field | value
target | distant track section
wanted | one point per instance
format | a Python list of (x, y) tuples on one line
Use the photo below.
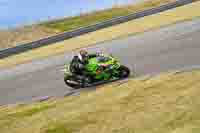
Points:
[(66, 35)]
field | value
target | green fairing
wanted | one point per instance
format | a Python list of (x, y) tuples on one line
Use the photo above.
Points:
[(99, 69), (95, 64)]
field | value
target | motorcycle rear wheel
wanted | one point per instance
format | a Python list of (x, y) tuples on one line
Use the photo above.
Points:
[(71, 82), (77, 82)]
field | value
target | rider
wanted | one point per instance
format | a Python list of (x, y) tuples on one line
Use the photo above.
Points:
[(79, 61)]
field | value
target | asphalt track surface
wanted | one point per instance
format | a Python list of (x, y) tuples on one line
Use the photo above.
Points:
[(168, 48)]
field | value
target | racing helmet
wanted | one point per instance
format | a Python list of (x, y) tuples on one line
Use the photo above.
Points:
[(99, 53), (82, 54)]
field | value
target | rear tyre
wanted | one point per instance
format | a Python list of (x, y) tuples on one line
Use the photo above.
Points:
[(124, 71), (78, 81), (71, 82)]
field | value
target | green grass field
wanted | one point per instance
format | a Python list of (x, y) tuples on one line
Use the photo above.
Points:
[(71, 23), (166, 103)]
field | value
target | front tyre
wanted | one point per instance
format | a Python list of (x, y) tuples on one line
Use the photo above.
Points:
[(124, 71)]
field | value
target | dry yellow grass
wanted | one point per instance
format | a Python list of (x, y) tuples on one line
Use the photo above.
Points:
[(186, 12), (71, 23), (29, 33), (22, 35), (166, 103)]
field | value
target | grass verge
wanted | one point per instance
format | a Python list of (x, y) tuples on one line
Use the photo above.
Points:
[(187, 12), (29, 33), (72, 23), (165, 103), (13, 37)]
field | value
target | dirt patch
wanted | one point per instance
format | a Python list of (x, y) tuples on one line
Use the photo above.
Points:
[(23, 35)]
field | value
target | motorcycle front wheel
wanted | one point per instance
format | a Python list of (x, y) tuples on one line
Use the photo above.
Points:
[(124, 71)]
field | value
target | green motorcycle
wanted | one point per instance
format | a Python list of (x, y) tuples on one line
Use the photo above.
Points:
[(100, 69)]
